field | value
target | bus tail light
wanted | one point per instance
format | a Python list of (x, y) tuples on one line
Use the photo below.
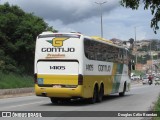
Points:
[(35, 78), (80, 79)]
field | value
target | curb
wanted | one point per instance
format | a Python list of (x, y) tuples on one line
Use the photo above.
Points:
[(16, 91)]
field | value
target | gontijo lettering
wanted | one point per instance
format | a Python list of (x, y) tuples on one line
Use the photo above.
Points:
[(58, 50), (106, 68)]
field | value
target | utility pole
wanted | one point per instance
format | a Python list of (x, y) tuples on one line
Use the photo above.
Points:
[(151, 57), (101, 15), (135, 43)]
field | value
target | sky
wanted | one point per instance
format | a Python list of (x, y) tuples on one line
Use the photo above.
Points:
[(84, 16)]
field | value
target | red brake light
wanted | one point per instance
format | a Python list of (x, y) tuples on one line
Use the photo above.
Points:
[(35, 78), (80, 79)]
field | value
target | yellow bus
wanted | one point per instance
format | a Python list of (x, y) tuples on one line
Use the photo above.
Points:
[(72, 65)]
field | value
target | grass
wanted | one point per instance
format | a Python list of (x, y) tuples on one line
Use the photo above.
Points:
[(157, 108), (136, 72), (8, 81)]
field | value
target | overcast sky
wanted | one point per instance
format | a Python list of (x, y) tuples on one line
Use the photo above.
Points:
[(84, 16)]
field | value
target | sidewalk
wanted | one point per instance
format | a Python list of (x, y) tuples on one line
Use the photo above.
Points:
[(4, 93)]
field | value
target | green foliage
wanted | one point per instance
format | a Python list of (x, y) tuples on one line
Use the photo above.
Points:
[(15, 81), (154, 44), (145, 48), (136, 72), (155, 57), (157, 108), (131, 40), (152, 4), (18, 32)]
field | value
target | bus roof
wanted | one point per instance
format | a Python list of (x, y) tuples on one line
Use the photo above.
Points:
[(51, 34), (96, 38), (77, 35), (102, 39)]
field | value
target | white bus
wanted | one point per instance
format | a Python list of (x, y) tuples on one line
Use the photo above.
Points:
[(71, 65)]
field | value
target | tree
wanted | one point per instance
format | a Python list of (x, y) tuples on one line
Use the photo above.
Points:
[(18, 32), (154, 6), (154, 45), (131, 40)]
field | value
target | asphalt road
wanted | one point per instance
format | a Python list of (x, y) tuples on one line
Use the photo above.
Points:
[(140, 98)]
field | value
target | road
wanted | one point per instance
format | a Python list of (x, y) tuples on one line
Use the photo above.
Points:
[(140, 98)]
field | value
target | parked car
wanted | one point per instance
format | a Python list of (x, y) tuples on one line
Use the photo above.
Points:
[(157, 80), (135, 77)]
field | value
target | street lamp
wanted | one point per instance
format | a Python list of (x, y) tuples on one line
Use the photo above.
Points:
[(100, 4), (151, 57), (135, 43)]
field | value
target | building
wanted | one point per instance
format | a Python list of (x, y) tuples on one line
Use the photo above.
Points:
[(141, 67)]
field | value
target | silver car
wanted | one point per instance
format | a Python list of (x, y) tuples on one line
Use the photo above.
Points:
[(145, 80), (157, 80)]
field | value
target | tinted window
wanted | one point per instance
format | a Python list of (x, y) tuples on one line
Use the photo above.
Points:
[(95, 50)]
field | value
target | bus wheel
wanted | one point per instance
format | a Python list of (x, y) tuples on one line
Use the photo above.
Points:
[(124, 89), (54, 100), (101, 93), (95, 94)]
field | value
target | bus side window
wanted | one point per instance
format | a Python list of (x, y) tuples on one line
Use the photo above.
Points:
[(120, 56)]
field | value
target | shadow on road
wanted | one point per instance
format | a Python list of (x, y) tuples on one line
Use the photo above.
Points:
[(84, 102)]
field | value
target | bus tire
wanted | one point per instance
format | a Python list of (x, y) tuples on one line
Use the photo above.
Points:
[(124, 90), (101, 93), (54, 100), (60, 100), (93, 99)]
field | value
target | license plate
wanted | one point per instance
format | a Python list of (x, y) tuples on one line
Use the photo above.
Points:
[(40, 81), (56, 86)]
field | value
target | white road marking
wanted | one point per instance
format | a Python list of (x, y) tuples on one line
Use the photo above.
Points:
[(21, 105)]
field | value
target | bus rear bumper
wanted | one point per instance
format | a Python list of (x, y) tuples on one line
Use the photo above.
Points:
[(59, 92)]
